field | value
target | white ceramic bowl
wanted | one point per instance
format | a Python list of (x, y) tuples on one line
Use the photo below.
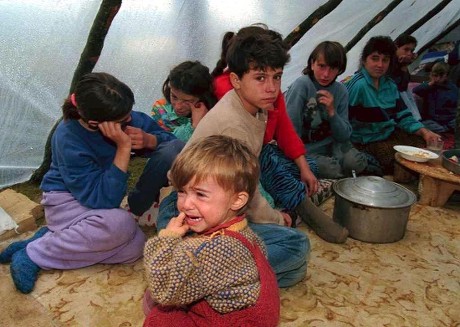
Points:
[(415, 154)]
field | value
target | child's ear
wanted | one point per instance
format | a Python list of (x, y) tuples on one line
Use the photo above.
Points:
[(235, 80), (241, 198)]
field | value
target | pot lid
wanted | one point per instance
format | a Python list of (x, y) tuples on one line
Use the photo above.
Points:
[(374, 191)]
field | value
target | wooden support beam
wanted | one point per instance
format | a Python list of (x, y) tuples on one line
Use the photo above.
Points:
[(374, 21), (88, 59), (439, 37), (427, 17), (308, 23)]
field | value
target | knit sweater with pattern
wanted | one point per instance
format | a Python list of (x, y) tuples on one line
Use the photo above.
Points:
[(216, 267)]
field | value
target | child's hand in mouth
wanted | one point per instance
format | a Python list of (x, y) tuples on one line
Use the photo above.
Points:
[(179, 224)]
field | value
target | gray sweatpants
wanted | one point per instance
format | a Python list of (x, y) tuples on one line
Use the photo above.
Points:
[(343, 159)]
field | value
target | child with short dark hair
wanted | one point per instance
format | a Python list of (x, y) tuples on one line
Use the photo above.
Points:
[(379, 117), (219, 276), (405, 55), (318, 107), (188, 96), (440, 98), (87, 180)]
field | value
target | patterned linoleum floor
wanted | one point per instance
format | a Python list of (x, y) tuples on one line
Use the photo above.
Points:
[(413, 282)]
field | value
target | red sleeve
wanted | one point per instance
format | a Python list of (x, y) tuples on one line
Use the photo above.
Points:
[(222, 85), (280, 128)]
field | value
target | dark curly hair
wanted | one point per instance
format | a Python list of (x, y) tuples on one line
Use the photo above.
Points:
[(383, 45), (192, 78)]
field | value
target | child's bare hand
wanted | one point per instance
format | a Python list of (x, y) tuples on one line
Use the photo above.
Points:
[(309, 179), (178, 225), (138, 137), (327, 100), (198, 112), (407, 59), (113, 131), (430, 136)]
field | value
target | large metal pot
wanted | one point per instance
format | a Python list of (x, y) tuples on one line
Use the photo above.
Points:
[(373, 209)]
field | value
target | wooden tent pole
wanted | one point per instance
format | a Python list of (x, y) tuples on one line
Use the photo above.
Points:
[(440, 6), (88, 59), (374, 21), (439, 37), (292, 38)]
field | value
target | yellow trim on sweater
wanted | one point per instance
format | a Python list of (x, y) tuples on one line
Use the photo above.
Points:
[(239, 226)]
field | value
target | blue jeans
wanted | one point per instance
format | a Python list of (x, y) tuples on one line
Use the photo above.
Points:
[(154, 176), (288, 248)]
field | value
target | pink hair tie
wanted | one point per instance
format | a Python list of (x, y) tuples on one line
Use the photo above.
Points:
[(72, 99)]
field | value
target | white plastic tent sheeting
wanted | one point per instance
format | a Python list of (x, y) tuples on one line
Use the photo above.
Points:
[(41, 42)]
